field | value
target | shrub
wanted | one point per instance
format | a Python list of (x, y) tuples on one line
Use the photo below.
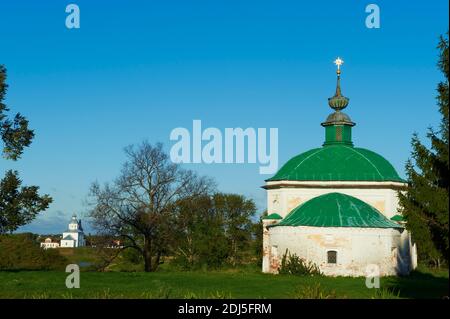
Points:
[(22, 252), (291, 264)]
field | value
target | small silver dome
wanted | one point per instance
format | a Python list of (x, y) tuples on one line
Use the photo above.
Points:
[(338, 117)]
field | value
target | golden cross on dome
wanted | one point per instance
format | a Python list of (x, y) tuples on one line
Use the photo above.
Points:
[(338, 62)]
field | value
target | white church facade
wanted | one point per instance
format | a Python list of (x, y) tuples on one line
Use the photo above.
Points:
[(337, 206), (74, 236)]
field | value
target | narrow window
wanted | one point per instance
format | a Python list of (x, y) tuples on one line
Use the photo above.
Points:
[(332, 257)]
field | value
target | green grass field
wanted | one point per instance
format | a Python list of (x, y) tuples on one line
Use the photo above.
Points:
[(224, 284)]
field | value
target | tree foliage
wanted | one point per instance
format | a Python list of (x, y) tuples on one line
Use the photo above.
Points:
[(212, 231), (18, 204), (138, 206), (236, 212), (15, 133), (199, 239), (426, 203), (257, 239)]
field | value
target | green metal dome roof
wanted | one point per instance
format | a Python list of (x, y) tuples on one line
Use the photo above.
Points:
[(337, 163), (398, 218), (274, 216), (337, 210)]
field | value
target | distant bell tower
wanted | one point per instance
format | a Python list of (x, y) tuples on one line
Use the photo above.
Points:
[(338, 126), (74, 224)]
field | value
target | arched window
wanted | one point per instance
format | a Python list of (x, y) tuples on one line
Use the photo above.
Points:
[(332, 257)]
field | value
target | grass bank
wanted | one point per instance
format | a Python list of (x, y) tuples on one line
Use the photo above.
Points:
[(215, 284)]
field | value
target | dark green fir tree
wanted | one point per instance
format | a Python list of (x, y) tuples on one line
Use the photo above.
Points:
[(425, 204)]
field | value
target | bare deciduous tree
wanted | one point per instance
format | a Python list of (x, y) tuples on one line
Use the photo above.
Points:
[(139, 205)]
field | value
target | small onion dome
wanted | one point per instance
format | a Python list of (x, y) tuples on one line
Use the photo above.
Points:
[(273, 216), (338, 102), (337, 210)]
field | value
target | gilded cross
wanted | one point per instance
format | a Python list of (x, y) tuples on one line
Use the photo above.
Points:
[(339, 62)]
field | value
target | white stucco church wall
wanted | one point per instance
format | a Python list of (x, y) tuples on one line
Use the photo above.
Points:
[(283, 197), (354, 248), (74, 236)]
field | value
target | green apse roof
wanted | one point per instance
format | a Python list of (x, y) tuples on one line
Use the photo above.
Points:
[(337, 163), (273, 216), (398, 218), (337, 210)]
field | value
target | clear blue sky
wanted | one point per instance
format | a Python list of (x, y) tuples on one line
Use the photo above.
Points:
[(138, 69)]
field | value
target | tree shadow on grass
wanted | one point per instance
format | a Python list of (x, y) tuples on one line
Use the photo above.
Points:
[(420, 285)]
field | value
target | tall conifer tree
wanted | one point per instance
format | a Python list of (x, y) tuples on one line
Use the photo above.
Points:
[(425, 204)]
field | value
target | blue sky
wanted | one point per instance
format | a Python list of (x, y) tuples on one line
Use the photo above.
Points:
[(136, 70)]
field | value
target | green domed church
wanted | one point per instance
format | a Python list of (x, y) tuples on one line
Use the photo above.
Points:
[(337, 206)]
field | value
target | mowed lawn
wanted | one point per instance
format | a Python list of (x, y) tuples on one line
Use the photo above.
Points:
[(225, 284)]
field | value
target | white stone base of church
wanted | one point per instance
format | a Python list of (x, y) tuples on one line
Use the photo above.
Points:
[(352, 249)]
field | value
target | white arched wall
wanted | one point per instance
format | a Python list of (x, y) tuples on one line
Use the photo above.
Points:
[(357, 248), (284, 196)]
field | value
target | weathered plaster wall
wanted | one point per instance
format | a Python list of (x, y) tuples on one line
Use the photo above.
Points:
[(266, 245), (356, 248)]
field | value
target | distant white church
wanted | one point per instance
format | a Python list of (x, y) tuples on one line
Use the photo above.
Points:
[(74, 236)]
